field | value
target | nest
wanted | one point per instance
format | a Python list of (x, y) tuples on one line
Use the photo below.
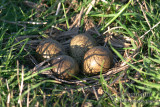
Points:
[(117, 41)]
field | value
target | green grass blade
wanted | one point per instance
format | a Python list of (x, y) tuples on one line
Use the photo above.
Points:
[(65, 16), (118, 14)]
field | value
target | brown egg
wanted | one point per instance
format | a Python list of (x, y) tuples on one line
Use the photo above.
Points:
[(80, 44), (64, 67), (49, 48), (94, 59)]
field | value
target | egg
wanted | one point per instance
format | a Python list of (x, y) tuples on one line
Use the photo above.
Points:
[(64, 67), (80, 44), (49, 48), (96, 59)]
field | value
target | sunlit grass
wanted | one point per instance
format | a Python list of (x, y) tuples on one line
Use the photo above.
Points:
[(42, 91)]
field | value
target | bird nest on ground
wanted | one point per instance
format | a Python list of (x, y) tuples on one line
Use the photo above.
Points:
[(118, 44)]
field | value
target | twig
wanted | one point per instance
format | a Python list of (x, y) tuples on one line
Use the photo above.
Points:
[(150, 30), (128, 59), (18, 73), (105, 1), (89, 7), (28, 96), (118, 78), (44, 100), (9, 94), (77, 20), (83, 103), (11, 22), (20, 23), (144, 2), (83, 91), (95, 93), (112, 89), (28, 36), (136, 76), (37, 104), (111, 98), (30, 4), (21, 87), (110, 5), (58, 8), (112, 29), (32, 22), (37, 66), (144, 14)]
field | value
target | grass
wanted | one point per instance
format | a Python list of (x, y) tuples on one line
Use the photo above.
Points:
[(19, 86)]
